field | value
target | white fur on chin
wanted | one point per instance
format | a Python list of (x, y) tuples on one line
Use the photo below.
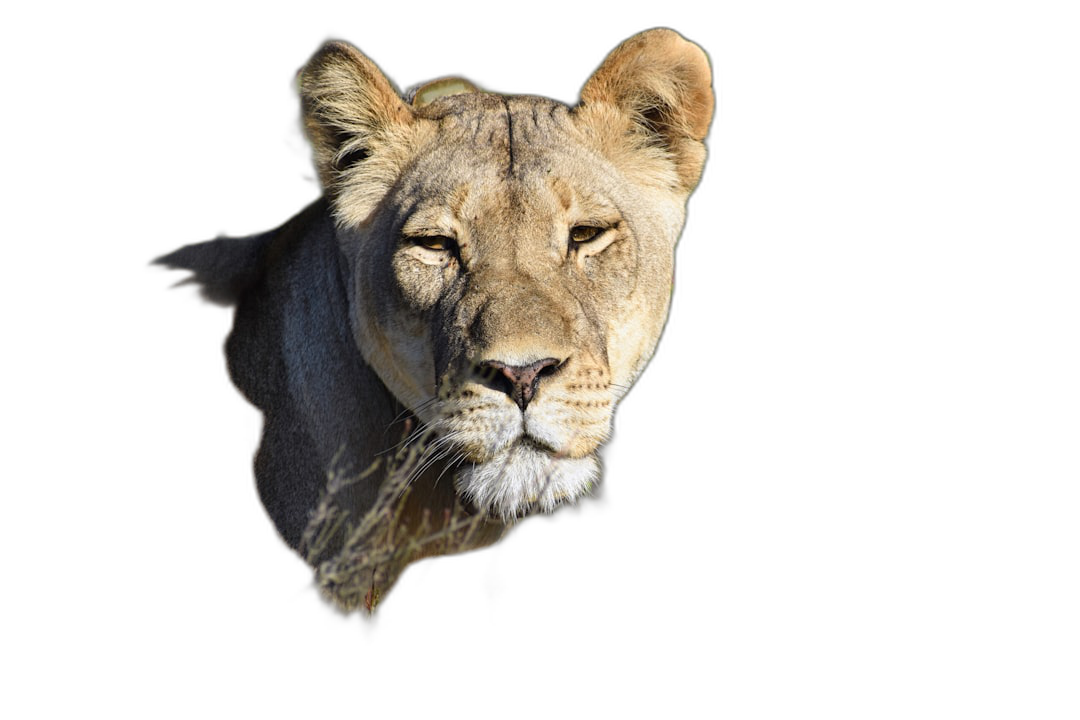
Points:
[(524, 478)]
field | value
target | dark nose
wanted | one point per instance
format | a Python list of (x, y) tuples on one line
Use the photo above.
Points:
[(517, 381)]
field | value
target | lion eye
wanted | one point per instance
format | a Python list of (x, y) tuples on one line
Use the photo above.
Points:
[(581, 234), (438, 243)]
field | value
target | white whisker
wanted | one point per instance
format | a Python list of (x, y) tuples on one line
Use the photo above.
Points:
[(449, 465)]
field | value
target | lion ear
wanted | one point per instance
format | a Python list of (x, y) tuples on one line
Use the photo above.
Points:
[(348, 107), (662, 83)]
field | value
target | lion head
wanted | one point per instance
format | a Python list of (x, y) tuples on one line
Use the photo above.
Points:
[(497, 267)]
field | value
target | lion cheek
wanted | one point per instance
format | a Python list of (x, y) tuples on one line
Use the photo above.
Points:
[(631, 343), (400, 354)]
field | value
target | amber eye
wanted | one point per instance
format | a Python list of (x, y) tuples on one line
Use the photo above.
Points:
[(438, 243), (581, 234)]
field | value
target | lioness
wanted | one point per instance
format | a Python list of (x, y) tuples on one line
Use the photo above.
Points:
[(483, 280)]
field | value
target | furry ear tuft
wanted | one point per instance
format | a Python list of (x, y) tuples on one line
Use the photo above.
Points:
[(663, 84), (348, 106), (361, 130)]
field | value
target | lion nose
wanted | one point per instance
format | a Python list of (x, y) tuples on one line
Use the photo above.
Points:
[(517, 381)]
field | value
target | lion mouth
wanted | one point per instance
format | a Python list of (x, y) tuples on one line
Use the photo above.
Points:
[(534, 443)]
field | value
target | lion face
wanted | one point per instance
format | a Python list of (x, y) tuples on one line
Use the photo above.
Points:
[(512, 288), (510, 258), (509, 302)]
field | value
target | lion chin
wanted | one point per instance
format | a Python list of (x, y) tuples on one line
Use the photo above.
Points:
[(524, 478)]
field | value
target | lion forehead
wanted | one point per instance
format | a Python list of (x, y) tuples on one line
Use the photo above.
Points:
[(483, 136)]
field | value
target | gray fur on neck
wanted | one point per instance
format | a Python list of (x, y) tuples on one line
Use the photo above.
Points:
[(291, 354)]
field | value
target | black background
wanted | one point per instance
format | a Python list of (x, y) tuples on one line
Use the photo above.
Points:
[(726, 526)]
